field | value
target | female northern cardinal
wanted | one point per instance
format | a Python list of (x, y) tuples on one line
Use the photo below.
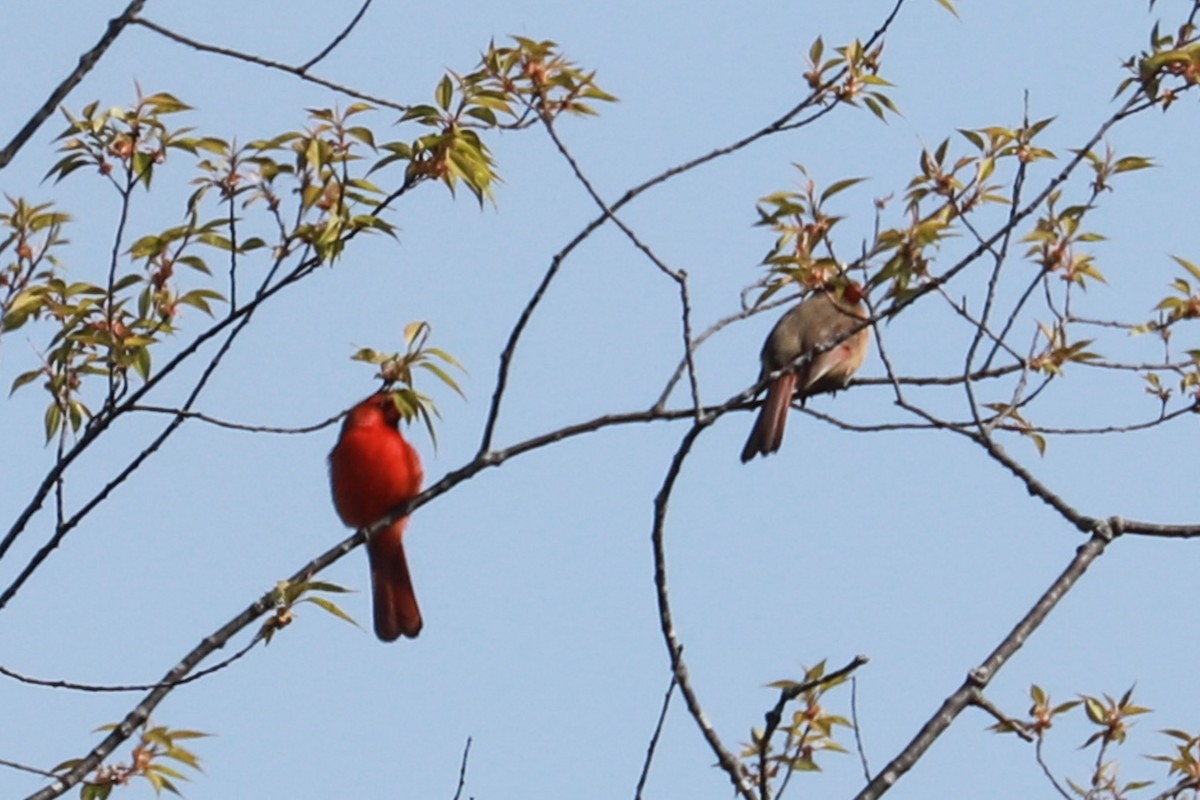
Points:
[(372, 469), (818, 321)]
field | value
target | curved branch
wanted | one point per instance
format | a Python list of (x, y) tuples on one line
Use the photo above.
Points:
[(732, 767), (337, 40)]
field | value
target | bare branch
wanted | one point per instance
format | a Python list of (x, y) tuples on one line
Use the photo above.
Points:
[(1041, 759), (337, 40), (238, 426), (858, 738), (1008, 723), (732, 767), (462, 769), (249, 58), (23, 768), (132, 687), (653, 745)]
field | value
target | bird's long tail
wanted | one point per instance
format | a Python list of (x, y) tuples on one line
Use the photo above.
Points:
[(767, 433), (396, 611)]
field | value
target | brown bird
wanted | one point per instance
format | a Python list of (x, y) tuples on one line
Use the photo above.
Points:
[(818, 321)]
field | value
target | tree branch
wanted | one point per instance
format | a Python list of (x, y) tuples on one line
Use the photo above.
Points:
[(726, 760), (337, 40), (299, 72)]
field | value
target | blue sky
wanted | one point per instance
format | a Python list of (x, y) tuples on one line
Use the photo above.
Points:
[(541, 640)]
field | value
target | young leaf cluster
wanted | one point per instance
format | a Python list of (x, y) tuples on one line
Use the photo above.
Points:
[(791, 743), (288, 594), (1170, 66), (851, 76), (401, 368), (1109, 719), (509, 88), (123, 144), (151, 759)]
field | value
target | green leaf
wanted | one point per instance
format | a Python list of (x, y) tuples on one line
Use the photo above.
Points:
[(1131, 163), (363, 134), (445, 93), (972, 137), (166, 103), (320, 586), (141, 362), (484, 115), (23, 379), (949, 6), (332, 608), (445, 378), (164, 769), (126, 281), (839, 186), (53, 420), (1188, 265), (147, 247)]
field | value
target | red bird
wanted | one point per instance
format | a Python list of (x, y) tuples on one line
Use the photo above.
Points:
[(820, 320), (373, 469)]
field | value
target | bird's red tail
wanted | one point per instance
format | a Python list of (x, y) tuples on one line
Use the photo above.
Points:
[(396, 611), (767, 434)]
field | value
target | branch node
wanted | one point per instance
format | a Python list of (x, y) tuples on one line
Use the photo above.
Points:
[(979, 677), (1107, 529)]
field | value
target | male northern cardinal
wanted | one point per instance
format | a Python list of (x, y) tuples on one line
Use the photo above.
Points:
[(819, 320), (372, 469)]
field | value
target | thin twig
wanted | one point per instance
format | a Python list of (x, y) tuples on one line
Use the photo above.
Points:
[(1007, 723), (653, 745), (132, 687), (462, 768), (269, 64), (4, 762), (1041, 760), (238, 426), (775, 716), (725, 759), (1179, 788), (341, 37), (858, 737), (709, 332)]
